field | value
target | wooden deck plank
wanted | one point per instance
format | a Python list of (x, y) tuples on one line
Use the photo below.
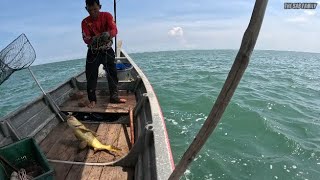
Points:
[(65, 148), (58, 152), (77, 154), (68, 154), (51, 139), (111, 173), (117, 173), (91, 157), (61, 144), (105, 137), (103, 105), (76, 170), (124, 139)]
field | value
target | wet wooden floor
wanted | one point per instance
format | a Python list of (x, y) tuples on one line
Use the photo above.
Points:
[(61, 144), (103, 103)]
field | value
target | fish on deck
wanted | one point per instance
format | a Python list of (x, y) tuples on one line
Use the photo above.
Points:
[(88, 137)]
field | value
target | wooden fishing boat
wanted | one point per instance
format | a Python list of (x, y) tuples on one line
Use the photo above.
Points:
[(146, 152), (137, 127)]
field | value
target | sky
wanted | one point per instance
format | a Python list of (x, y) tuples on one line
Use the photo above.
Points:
[(54, 27)]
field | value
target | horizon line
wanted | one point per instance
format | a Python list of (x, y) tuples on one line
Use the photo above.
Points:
[(141, 52)]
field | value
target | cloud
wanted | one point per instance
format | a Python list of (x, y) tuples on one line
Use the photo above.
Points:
[(297, 19), (176, 32), (310, 12), (302, 18), (205, 25)]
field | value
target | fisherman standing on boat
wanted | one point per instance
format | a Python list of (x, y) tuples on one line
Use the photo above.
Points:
[(98, 29)]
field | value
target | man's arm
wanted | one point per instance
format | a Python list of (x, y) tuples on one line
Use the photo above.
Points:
[(86, 33), (112, 27)]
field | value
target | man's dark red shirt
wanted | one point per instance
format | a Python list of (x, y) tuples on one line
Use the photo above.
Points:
[(94, 27)]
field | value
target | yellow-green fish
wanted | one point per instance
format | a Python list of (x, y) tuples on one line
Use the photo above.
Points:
[(87, 136)]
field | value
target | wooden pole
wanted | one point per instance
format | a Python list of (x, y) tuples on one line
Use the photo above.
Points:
[(131, 127), (238, 68), (115, 20)]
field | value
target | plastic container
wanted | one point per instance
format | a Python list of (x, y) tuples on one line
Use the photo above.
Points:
[(25, 154), (124, 71)]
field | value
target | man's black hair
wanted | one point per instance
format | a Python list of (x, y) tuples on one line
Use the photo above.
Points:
[(91, 2)]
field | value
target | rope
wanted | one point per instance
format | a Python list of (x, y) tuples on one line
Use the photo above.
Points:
[(106, 69), (86, 163), (101, 42), (98, 49), (18, 174), (118, 136), (22, 175)]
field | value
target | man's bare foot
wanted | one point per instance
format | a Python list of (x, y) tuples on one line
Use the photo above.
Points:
[(83, 103), (76, 96), (118, 100), (92, 104)]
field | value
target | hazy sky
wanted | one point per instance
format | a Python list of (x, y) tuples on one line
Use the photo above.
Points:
[(53, 27)]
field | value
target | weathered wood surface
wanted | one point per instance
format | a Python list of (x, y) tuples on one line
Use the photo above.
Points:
[(131, 126), (238, 68), (61, 144), (103, 104)]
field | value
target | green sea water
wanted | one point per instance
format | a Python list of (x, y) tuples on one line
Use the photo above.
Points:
[(270, 130)]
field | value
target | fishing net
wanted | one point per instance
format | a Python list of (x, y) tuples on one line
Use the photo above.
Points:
[(19, 54), (102, 42)]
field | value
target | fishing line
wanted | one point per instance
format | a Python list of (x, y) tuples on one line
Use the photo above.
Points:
[(97, 53), (118, 136), (84, 163)]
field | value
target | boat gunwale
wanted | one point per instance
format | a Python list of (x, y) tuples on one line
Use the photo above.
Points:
[(39, 98), (155, 111), (161, 134)]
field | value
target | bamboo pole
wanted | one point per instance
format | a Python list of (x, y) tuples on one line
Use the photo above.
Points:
[(238, 68)]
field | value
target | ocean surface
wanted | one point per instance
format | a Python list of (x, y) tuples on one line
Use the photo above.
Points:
[(270, 130)]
